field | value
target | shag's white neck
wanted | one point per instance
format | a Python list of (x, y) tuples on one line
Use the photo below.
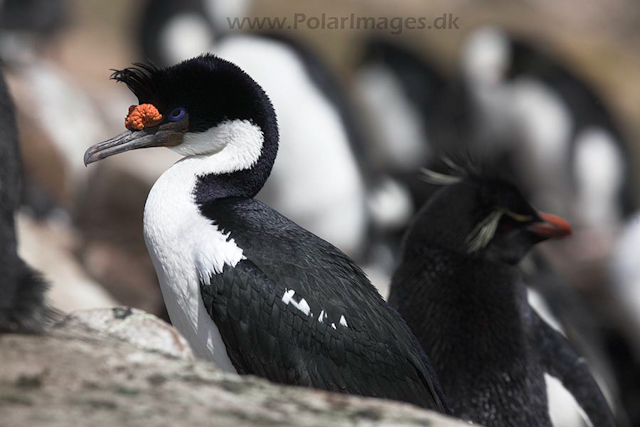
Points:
[(186, 247), (231, 146)]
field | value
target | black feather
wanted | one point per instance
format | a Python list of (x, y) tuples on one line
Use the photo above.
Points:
[(140, 81), (22, 290), (374, 355), (470, 312)]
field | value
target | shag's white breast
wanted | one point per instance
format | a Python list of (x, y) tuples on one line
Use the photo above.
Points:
[(186, 247)]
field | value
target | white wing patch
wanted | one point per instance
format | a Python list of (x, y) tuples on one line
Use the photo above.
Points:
[(343, 322), (304, 307), (301, 305), (288, 295), (217, 249)]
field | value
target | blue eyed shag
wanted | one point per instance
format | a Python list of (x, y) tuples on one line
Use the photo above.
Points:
[(317, 130), (250, 289), (459, 289)]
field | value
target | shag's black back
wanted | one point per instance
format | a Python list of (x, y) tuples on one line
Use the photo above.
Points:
[(374, 355)]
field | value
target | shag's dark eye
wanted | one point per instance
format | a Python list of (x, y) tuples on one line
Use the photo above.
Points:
[(177, 114)]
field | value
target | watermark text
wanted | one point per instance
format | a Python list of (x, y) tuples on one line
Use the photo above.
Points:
[(394, 25)]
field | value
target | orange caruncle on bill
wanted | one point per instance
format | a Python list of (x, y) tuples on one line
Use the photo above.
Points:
[(142, 116)]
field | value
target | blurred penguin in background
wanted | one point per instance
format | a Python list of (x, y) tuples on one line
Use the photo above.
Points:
[(22, 290), (523, 111), (399, 92), (624, 341), (537, 119), (561, 142), (61, 116), (25, 24)]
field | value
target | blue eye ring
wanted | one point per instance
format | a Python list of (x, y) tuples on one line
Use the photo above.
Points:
[(177, 114)]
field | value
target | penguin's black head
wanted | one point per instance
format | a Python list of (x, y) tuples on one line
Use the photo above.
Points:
[(483, 217), (200, 107)]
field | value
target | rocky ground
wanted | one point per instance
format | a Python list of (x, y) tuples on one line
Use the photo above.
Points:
[(123, 367)]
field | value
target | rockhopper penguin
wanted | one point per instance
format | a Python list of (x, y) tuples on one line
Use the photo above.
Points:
[(459, 289), (248, 288)]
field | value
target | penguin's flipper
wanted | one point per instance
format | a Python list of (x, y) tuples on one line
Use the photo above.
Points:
[(561, 361)]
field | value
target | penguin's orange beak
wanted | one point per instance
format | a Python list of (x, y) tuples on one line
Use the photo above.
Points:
[(551, 227)]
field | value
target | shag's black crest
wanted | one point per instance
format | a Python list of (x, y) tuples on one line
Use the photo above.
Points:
[(209, 88), (140, 80)]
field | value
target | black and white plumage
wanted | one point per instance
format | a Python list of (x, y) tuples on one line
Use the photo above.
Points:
[(248, 288), (625, 273), (22, 290), (399, 91), (559, 305), (459, 289), (317, 132), (303, 313), (170, 31), (624, 342), (563, 144), (26, 25)]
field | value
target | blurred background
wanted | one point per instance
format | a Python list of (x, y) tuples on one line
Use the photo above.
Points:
[(546, 92)]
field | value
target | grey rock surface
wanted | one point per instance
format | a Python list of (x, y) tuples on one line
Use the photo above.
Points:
[(82, 375), (135, 326)]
